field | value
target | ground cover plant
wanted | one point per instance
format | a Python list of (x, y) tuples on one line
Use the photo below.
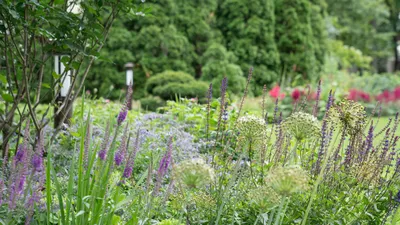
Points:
[(207, 164)]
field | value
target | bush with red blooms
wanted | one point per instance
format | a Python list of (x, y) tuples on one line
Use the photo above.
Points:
[(389, 96), (296, 94), (275, 92), (358, 95)]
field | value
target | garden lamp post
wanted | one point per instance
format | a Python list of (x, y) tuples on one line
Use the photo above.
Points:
[(129, 81), (62, 92)]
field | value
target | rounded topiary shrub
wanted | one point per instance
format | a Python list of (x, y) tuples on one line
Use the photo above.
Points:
[(167, 77), (171, 84), (151, 103)]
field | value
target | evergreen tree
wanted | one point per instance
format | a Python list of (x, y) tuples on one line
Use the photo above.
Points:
[(248, 29), (295, 38)]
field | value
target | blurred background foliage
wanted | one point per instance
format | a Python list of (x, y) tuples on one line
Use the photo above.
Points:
[(287, 42)]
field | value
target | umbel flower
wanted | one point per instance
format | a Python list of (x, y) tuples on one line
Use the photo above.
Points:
[(288, 180), (252, 127), (193, 173), (263, 197), (349, 114), (301, 126)]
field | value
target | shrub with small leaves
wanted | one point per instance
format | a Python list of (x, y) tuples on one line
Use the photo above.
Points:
[(193, 173), (302, 126), (288, 180)]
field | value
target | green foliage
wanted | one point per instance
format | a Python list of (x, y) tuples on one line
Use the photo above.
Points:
[(151, 103), (300, 50), (211, 39), (248, 28), (170, 84), (348, 56), (364, 25), (217, 65)]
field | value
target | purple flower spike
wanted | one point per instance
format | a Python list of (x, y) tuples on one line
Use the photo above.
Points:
[(37, 162), (128, 172), (122, 116), (120, 155), (104, 145), (131, 159)]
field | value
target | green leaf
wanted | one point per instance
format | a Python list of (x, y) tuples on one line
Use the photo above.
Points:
[(3, 79), (65, 59), (55, 75), (46, 85), (7, 97)]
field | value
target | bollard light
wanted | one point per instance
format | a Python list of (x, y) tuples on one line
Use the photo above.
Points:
[(129, 82), (129, 73), (65, 79)]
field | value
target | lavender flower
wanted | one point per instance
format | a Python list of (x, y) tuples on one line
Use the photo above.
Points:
[(37, 158), (104, 145), (315, 110), (369, 140), (120, 155), (87, 143), (131, 160), (164, 164), (122, 115), (1, 191), (330, 101), (209, 99)]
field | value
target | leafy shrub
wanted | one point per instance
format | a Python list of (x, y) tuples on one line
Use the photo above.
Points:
[(169, 84), (151, 103)]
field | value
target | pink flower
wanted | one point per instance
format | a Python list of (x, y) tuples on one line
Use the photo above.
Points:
[(275, 92), (396, 93), (296, 94), (358, 95), (385, 96)]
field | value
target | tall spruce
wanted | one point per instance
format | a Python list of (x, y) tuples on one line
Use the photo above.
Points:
[(248, 30)]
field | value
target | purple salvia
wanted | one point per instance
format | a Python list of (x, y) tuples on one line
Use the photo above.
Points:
[(275, 110), (122, 115), (263, 101), (329, 102), (131, 159), (104, 145), (37, 158), (1, 191), (120, 155), (369, 140), (385, 149), (315, 110), (224, 85), (209, 99), (164, 164), (124, 110), (395, 126), (86, 146), (321, 151)]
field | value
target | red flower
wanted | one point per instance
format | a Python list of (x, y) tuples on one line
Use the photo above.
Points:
[(296, 94), (396, 93), (385, 96), (358, 95), (275, 92)]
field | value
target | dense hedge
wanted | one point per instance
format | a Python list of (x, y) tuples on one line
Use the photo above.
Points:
[(210, 39), (171, 84)]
